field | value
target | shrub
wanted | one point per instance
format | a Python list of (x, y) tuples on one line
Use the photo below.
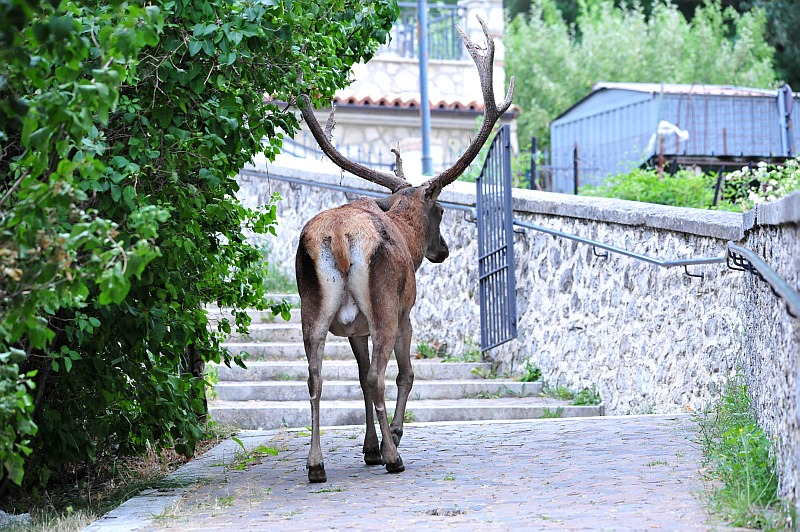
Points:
[(684, 189), (122, 127), (746, 188)]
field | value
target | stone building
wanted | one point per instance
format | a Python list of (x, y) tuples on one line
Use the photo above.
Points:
[(380, 110)]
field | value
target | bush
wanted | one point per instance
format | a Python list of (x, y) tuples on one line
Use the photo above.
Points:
[(684, 189), (746, 188), (122, 127)]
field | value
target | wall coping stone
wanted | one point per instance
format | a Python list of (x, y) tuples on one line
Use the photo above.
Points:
[(783, 211), (715, 224)]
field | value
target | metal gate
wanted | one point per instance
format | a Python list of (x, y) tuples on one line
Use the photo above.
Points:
[(496, 245)]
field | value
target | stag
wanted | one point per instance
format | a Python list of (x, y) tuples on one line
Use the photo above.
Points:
[(356, 266)]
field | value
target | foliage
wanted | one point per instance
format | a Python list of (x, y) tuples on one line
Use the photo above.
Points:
[(740, 190), (684, 189), (587, 397), (472, 353), (122, 126), (532, 373), (556, 64), (783, 26), (746, 188), (741, 462)]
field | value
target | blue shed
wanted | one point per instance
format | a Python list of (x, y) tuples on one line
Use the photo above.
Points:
[(620, 126)]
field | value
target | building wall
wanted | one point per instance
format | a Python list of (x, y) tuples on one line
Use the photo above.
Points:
[(650, 339)]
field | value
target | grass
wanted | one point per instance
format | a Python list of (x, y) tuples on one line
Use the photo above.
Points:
[(585, 397), (740, 463), (472, 353), (102, 486), (333, 489)]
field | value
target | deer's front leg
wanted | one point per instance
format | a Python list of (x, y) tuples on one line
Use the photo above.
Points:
[(371, 449), (405, 376), (382, 345), (315, 346)]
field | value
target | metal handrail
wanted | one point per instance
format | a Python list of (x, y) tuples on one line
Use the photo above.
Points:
[(747, 260), (595, 244)]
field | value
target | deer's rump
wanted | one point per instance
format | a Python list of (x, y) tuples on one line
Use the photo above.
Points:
[(343, 258)]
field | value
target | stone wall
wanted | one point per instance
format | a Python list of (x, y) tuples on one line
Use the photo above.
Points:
[(650, 339)]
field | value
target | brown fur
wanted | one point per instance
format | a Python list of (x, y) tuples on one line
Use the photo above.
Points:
[(355, 270)]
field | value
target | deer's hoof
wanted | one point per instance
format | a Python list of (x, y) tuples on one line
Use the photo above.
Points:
[(396, 467), (397, 435), (373, 458), (317, 473)]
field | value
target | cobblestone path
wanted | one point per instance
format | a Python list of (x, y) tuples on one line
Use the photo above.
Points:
[(612, 473)]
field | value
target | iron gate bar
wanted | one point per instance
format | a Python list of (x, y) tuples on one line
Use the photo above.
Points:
[(496, 283)]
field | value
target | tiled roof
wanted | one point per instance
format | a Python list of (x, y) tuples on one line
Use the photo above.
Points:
[(407, 103)]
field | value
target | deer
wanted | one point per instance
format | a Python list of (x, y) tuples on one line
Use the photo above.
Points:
[(356, 272)]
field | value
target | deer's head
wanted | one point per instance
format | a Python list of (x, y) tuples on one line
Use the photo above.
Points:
[(427, 194)]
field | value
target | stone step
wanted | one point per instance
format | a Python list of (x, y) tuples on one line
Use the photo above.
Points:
[(347, 370), (334, 350), (256, 316), (351, 390), (279, 331), (274, 414)]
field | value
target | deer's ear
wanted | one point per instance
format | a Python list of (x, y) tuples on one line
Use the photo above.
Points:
[(432, 190)]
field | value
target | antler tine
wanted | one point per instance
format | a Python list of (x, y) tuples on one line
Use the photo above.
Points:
[(491, 110), (392, 182)]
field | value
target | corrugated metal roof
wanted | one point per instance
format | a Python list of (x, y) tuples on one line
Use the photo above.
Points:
[(674, 88), (681, 88)]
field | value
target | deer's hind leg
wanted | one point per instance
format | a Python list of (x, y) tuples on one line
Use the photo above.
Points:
[(319, 304), (371, 449), (405, 376)]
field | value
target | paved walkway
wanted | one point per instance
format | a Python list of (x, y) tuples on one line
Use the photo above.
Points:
[(611, 473)]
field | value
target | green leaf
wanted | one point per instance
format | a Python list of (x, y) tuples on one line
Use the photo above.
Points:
[(15, 468)]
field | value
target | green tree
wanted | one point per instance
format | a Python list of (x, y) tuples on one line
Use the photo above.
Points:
[(556, 64), (122, 127)]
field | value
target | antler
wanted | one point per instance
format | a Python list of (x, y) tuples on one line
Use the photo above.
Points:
[(491, 111), (392, 182)]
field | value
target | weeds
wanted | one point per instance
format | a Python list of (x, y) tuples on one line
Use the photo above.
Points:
[(547, 413), (408, 416), (559, 392), (587, 397), (472, 353), (244, 458), (426, 350), (278, 281), (532, 373), (740, 462)]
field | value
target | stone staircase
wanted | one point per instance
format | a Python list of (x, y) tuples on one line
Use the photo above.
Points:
[(272, 392)]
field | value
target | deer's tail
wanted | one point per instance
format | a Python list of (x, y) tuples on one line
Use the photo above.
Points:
[(340, 248)]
